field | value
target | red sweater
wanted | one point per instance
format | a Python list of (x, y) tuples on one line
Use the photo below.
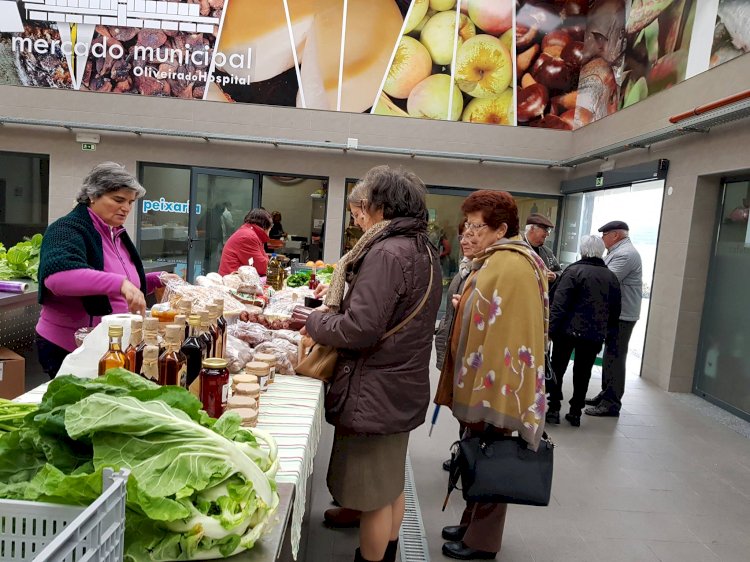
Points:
[(247, 242)]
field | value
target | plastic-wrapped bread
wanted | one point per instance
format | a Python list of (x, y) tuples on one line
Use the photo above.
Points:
[(247, 389), (240, 401), (249, 416), (243, 378)]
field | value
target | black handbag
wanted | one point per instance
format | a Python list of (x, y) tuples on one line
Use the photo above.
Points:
[(497, 468)]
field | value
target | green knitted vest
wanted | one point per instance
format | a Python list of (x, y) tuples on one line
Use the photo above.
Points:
[(72, 242)]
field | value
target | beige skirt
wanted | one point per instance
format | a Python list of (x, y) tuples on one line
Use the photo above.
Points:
[(366, 472)]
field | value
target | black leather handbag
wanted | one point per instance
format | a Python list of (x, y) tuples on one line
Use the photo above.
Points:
[(497, 468)]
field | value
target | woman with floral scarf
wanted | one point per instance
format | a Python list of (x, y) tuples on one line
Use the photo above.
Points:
[(493, 375)]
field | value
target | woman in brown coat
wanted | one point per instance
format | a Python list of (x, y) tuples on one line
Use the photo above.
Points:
[(381, 385), (493, 375)]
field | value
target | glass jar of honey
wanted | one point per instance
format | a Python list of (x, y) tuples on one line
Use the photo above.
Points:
[(214, 386)]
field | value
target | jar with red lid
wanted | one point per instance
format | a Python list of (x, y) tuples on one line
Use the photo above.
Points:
[(214, 386)]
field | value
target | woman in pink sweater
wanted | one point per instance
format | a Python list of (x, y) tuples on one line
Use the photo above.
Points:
[(89, 266)]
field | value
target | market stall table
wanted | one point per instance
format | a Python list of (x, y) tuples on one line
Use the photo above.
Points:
[(292, 411), (19, 313)]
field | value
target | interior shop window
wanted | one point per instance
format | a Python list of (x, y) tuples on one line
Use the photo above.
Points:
[(298, 206), (163, 232), (24, 196), (546, 206)]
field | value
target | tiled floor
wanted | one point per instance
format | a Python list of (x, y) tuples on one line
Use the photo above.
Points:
[(662, 482)]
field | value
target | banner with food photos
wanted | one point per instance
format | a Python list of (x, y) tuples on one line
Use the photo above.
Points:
[(555, 64)]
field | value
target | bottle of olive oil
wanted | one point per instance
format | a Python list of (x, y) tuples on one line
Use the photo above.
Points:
[(115, 356)]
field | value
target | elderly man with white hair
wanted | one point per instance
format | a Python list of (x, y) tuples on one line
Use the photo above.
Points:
[(625, 262), (583, 314)]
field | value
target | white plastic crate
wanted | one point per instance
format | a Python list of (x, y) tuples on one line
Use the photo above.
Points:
[(45, 532)]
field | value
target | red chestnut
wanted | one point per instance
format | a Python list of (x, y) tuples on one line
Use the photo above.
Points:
[(553, 72), (532, 101), (552, 122), (575, 8), (524, 60), (525, 36), (572, 54), (554, 42), (569, 118)]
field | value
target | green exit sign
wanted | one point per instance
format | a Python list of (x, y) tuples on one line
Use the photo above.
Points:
[(87, 146), (600, 181)]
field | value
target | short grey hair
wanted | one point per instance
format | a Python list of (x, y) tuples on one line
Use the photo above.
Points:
[(528, 228), (592, 247), (106, 178)]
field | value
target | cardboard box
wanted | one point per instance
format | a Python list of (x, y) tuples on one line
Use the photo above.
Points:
[(12, 374)]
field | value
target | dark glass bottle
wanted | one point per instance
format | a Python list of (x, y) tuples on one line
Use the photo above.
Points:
[(136, 337), (150, 366), (185, 308), (173, 363), (206, 333), (194, 349), (115, 356), (221, 322), (213, 312), (150, 337)]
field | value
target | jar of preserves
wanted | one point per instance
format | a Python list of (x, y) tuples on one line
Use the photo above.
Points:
[(214, 386)]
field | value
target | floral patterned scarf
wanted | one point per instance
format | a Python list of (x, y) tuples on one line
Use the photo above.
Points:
[(494, 371)]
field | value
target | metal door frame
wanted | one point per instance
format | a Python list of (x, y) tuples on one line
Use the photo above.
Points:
[(708, 302), (195, 171)]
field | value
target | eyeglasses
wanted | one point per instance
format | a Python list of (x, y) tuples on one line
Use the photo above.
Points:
[(473, 227), (547, 229)]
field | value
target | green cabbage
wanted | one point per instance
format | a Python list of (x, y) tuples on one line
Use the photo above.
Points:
[(199, 488)]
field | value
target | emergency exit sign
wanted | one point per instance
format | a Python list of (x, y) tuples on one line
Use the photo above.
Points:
[(87, 146), (599, 181)]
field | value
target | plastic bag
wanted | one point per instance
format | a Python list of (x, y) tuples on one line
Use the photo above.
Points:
[(238, 354), (289, 335), (285, 353), (176, 290), (84, 361), (250, 333)]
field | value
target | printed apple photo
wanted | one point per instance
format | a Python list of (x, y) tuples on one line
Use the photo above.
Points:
[(453, 61), (549, 46), (305, 54), (658, 41)]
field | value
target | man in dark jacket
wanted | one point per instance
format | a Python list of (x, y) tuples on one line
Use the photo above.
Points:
[(538, 228), (584, 313)]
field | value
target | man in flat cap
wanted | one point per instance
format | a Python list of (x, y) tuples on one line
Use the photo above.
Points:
[(625, 262), (538, 228)]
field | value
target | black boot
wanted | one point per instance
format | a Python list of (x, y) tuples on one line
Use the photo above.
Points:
[(359, 558), (390, 552), (553, 416)]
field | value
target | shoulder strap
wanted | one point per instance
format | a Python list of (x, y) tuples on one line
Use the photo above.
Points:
[(416, 311)]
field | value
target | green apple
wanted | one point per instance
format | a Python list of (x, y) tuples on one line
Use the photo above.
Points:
[(497, 110), (484, 67), (385, 106), (411, 65), (439, 34), (430, 98), (417, 12), (442, 5)]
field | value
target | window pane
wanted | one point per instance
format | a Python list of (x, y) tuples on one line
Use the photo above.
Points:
[(164, 228), (723, 366), (24, 196), (300, 223)]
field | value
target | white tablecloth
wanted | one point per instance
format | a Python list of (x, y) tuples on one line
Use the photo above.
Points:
[(292, 411)]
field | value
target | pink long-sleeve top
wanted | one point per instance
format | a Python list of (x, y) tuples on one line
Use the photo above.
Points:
[(63, 312)]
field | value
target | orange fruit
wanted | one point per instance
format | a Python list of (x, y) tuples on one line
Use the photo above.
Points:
[(320, 263), (310, 264)]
